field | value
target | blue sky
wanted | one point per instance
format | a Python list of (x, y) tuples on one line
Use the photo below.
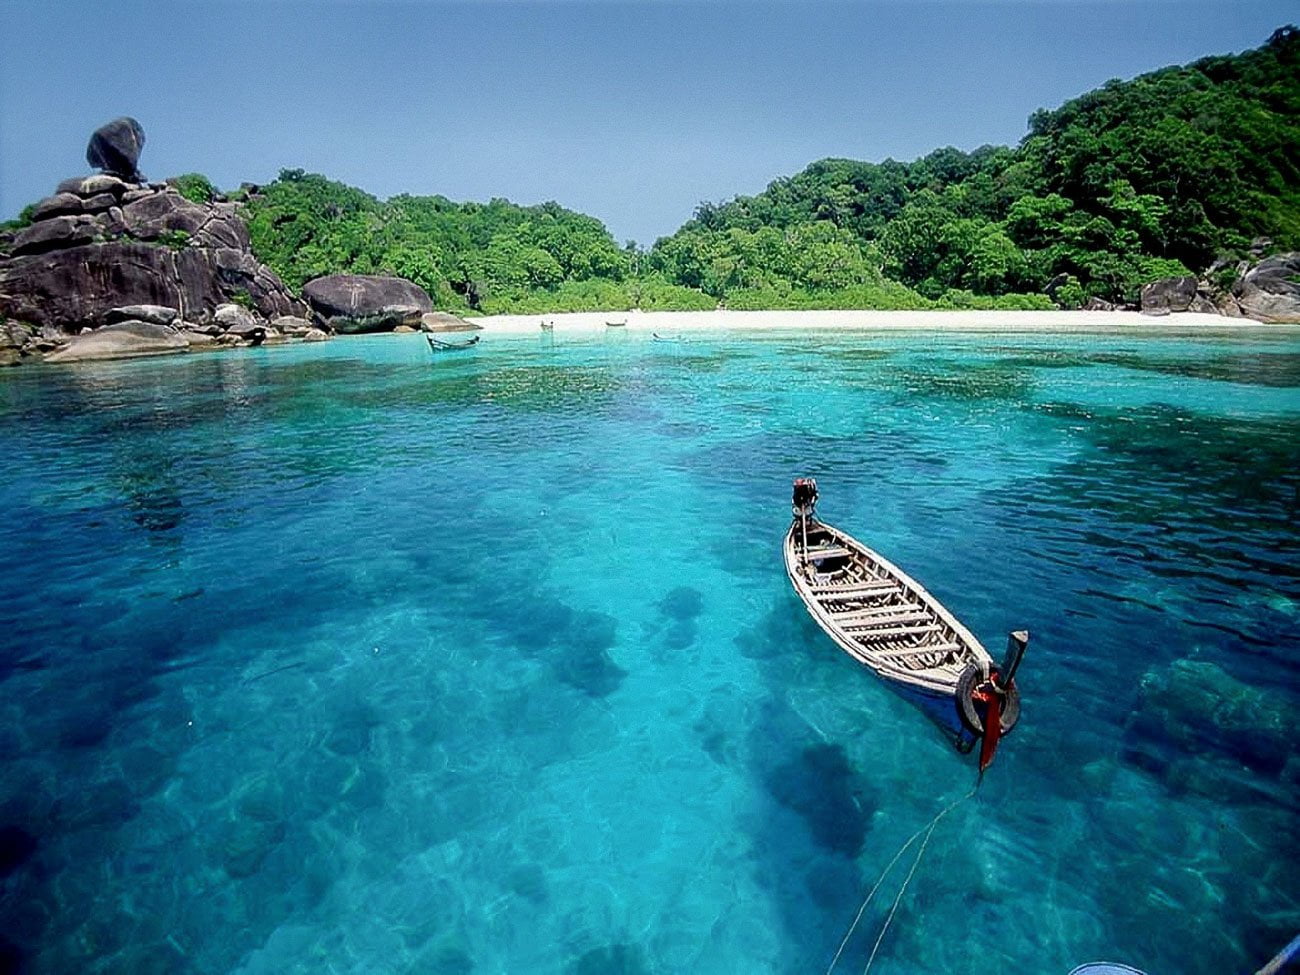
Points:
[(631, 111)]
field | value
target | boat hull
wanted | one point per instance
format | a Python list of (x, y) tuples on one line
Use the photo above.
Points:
[(885, 620)]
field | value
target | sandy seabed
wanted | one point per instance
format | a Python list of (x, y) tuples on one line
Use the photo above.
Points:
[(671, 323)]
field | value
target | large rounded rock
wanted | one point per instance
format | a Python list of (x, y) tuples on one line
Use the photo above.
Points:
[(54, 234), (1270, 291), (115, 148), (124, 340), (1168, 295), (58, 205), (367, 303)]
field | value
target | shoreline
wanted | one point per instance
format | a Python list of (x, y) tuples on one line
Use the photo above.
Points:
[(672, 322)]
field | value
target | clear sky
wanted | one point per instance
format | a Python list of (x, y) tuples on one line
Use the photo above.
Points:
[(631, 111)]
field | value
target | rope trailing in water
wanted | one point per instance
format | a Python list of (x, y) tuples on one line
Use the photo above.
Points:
[(927, 830)]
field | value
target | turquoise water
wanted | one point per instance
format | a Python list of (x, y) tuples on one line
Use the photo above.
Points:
[(342, 659)]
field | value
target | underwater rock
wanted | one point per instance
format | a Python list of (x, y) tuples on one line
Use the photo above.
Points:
[(1197, 705), (16, 848), (682, 603), (245, 843), (583, 659), (818, 784), (619, 959)]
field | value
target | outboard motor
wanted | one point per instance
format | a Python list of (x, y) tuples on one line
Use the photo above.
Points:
[(804, 506), (805, 496)]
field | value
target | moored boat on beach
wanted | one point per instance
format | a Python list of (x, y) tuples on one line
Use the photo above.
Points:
[(886, 620)]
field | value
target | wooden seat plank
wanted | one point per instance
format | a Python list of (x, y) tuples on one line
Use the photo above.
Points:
[(888, 609), (895, 620)]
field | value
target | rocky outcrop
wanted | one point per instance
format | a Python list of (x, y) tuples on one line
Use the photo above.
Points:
[(1270, 291), (122, 341), (115, 148), (367, 303), (79, 286), (155, 314), (1168, 295), (108, 249), (1266, 291)]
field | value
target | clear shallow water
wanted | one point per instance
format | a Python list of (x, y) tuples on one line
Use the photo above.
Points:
[(341, 659)]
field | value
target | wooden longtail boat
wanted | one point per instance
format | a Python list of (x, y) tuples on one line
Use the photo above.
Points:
[(442, 345), (885, 619)]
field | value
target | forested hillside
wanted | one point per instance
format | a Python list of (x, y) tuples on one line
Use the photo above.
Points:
[(1134, 181)]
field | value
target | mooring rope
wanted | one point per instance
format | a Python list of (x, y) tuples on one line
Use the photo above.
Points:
[(928, 831)]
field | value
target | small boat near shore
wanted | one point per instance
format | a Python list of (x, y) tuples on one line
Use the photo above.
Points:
[(888, 622), (615, 324), (442, 345)]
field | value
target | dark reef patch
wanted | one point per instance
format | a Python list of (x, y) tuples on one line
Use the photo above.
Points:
[(16, 847), (819, 785), (992, 381), (1280, 370), (582, 655), (619, 959), (682, 603), (680, 607)]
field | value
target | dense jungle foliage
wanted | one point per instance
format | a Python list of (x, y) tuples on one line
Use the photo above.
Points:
[(1134, 181)]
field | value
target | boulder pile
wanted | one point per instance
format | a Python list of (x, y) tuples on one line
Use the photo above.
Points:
[(1266, 290), (111, 250)]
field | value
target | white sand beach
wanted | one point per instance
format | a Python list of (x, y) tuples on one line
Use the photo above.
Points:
[(676, 322)]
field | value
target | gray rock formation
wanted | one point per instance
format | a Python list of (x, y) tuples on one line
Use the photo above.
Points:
[(109, 249), (1266, 291), (291, 325), (1168, 295), (234, 318), (122, 340), (1270, 291), (240, 322), (58, 205), (367, 303), (99, 245), (115, 148), (76, 287), (154, 314)]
